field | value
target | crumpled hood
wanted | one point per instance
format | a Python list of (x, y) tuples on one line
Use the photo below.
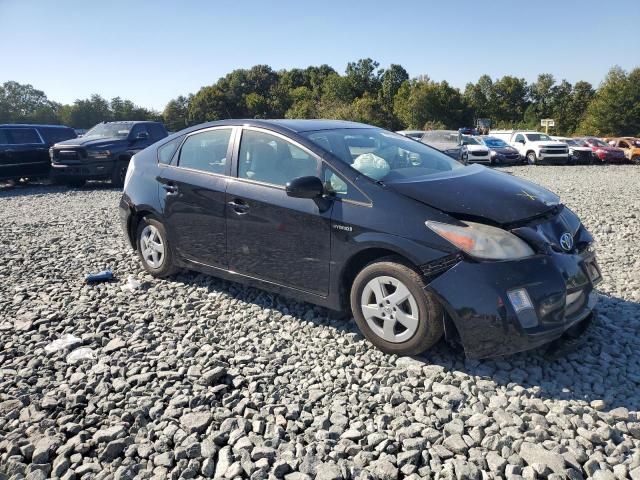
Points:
[(477, 192), (89, 142)]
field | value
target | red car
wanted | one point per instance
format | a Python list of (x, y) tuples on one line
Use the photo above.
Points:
[(602, 150)]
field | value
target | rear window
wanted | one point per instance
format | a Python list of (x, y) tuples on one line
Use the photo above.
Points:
[(21, 136)]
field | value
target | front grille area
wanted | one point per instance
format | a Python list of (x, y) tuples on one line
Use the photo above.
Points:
[(71, 155), (582, 156), (555, 150), (479, 153), (441, 265)]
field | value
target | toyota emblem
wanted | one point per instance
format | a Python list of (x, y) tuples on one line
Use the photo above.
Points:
[(566, 241)]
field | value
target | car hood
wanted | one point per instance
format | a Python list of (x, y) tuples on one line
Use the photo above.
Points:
[(504, 150), (546, 143), (476, 192), (89, 142), (477, 148)]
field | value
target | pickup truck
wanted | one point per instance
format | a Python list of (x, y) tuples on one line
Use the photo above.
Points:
[(102, 153), (535, 147)]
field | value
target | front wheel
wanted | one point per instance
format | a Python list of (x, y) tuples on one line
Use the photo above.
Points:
[(392, 309), (119, 173), (635, 159), (531, 158), (154, 249)]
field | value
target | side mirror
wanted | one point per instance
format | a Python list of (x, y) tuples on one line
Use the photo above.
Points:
[(142, 136), (305, 187)]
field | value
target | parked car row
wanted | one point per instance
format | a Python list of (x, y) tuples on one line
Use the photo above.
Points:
[(517, 146), (102, 153)]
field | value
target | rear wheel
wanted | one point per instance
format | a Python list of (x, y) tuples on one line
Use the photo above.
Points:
[(154, 249), (636, 159), (392, 309), (531, 158), (119, 173)]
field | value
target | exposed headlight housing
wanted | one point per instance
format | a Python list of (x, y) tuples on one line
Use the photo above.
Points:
[(99, 153), (483, 241)]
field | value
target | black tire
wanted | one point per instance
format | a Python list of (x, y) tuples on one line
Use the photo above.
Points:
[(119, 173), (167, 267), (531, 158), (635, 159), (430, 314), (77, 183)]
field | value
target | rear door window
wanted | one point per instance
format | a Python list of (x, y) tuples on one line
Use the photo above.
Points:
[(157, 132), (24, 136), (206, 151), (55, 135), (166, 151)]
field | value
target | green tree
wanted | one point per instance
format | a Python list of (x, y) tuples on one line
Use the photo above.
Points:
[(508, 100), (24, 104), (615, 108), (175, 114), (363, 76)]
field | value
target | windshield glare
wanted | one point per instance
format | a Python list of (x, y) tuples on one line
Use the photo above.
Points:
[(495, 142), (109, 130), (536, 137), (470, 140), (381, 155), (599, 143)]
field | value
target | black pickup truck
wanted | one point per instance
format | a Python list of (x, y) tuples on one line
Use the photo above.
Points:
[(103, 153)]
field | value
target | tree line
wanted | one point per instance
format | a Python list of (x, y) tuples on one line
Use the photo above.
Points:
[(386, 97)]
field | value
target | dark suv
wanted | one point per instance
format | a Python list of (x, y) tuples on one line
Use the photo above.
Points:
[(103, 152), (24, 149)]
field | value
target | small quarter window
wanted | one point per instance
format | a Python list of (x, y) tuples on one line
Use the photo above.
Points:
[(166, 151)]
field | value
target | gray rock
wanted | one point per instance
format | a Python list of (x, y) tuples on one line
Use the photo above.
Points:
[(328, 471), (532, 453), (196, 422)]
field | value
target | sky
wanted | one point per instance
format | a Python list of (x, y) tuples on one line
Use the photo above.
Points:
[(150, 51)]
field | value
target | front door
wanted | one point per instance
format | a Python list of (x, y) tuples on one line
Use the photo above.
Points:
[(270, 235), (192, 189)]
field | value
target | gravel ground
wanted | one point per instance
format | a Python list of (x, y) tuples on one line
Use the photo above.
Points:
[(196, 377)]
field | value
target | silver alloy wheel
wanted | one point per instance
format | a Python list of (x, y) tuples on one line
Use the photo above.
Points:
[(390, 309), (152, 246)]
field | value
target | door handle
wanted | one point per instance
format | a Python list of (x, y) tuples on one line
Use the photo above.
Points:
[(239, 206), (170, 188)]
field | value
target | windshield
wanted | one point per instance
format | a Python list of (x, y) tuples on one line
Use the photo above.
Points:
[(494, 142), (536, 137), (599, 143), (382, 155), (470, 140), (109, 130), (441, 139)]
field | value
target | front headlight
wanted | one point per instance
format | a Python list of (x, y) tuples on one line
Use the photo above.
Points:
[(493, 153), (483, 241), (99, 153)]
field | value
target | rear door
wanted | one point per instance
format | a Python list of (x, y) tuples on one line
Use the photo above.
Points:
[(26, 154), (270, 235), (192, 194)]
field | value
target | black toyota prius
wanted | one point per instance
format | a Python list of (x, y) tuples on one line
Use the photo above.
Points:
[(355, 218)]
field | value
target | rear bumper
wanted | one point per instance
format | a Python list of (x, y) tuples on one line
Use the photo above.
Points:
[(474, 294), (125, 215), (86, 170)]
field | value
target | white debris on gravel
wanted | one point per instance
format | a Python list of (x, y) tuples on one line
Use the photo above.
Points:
[(197, 377)]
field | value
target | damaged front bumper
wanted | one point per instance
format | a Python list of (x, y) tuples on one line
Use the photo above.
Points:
[(491, 320)]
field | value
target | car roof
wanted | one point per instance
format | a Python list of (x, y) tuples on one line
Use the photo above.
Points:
[(286, 125), (31, 125), (130, 122)]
